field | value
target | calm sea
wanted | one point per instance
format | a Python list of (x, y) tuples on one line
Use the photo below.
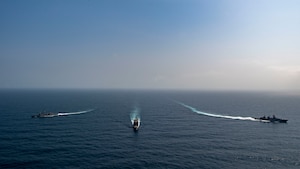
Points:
[(177, 130)]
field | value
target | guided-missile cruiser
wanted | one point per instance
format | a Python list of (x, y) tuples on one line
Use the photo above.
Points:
[(272, 119)]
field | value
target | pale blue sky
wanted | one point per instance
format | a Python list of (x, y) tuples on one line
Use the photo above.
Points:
[(150, 44)]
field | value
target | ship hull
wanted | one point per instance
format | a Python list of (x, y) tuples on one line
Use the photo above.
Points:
[(136, 124)]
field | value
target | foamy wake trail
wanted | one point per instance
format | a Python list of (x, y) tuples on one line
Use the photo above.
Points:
[(217, 115), (135, 114), (72, 113)]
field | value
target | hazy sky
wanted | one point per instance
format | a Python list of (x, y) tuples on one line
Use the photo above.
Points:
[(150, 44)]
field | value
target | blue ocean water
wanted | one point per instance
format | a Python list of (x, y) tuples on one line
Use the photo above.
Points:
[(171, 135)]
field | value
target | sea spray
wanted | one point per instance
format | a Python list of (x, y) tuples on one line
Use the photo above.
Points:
[(217, 115), (135, 114)]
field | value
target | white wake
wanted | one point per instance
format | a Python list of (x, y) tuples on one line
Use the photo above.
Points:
[(217, 115), (72, 113)]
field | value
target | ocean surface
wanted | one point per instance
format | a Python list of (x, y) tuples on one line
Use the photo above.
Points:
[(191, 129)]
